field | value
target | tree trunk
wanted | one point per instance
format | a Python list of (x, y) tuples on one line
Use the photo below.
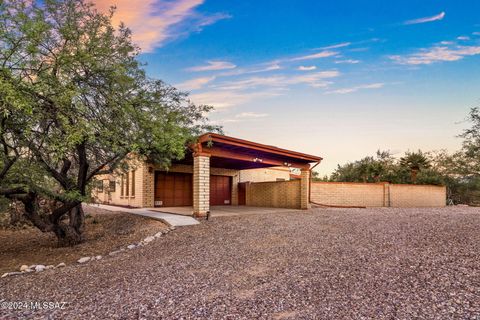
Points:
[(15, 213), (67, 236), (413, 175), (71, 234)]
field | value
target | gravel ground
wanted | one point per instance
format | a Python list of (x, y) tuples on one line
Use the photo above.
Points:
[(320, 264)]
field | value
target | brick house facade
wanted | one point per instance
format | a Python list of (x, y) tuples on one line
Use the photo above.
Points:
[(209, 175)]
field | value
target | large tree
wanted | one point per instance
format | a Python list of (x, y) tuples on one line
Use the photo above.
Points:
[(75, 102)]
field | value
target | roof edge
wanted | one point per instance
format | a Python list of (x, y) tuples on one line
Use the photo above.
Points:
[(222, 138)]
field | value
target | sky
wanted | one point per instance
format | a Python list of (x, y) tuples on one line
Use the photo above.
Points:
[(339, 79)]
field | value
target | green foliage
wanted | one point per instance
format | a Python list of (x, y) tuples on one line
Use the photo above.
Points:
[(415, 162), (369, 169)]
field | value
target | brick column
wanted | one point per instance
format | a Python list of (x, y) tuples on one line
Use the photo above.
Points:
[(148, 185), (235, 181), (201, 185), (386, 195), (304, 189)]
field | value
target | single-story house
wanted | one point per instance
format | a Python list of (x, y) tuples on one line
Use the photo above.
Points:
[(215, 172)]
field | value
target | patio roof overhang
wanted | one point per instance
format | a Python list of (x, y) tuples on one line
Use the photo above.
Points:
[(233, 153)]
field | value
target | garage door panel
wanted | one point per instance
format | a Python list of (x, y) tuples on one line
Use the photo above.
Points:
[(220, 190), (173, 189)]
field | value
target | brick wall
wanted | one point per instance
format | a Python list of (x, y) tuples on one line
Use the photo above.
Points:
[(282, 194), (111, 196), (377, 194), (264, 174), (348, 194), (406, 195)]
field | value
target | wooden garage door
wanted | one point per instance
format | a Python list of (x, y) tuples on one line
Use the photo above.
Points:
[(220, 190), (173, 189), (242, 193)]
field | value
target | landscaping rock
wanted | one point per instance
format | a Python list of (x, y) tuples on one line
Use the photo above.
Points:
[(23, 268), (61, 265), (114, 252), (158, 234), (84, 260), (8, 274), (98, 257), (39, 268), (148, 239), (131, 246), (29, 270), (50, 267)]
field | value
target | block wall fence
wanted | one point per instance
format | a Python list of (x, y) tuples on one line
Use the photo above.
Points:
[(378, 194), (281, 194), (287, 194)]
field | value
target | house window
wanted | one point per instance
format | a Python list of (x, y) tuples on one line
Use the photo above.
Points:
[(127, 185), (122, 179), (99, 186), (133, 183), (111, 186)]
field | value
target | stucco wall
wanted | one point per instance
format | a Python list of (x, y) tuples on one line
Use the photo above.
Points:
[(378, 194), (282, 194)]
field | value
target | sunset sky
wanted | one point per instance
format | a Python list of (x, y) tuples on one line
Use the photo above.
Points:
[(339, 79)]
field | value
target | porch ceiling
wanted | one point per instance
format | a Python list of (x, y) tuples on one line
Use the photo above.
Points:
[(228, 163), (233, 153)]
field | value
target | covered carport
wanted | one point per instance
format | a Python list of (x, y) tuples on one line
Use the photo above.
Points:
[(213, 151)]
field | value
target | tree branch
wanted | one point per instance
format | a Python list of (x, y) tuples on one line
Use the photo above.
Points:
[(100, 169)]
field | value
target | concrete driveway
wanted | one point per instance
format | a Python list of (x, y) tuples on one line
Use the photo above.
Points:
[(225, 211)]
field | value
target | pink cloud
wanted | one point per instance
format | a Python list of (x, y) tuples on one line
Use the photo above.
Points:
[(194, 84), (152, 21), (322, 54), (437, 54), (356, 88), (213, 65)]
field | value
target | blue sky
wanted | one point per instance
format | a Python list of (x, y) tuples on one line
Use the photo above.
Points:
[(339, 79)]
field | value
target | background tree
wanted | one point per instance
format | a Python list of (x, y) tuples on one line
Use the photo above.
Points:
[(415, 162), (367, 169), (74, 103), (471, 144)]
